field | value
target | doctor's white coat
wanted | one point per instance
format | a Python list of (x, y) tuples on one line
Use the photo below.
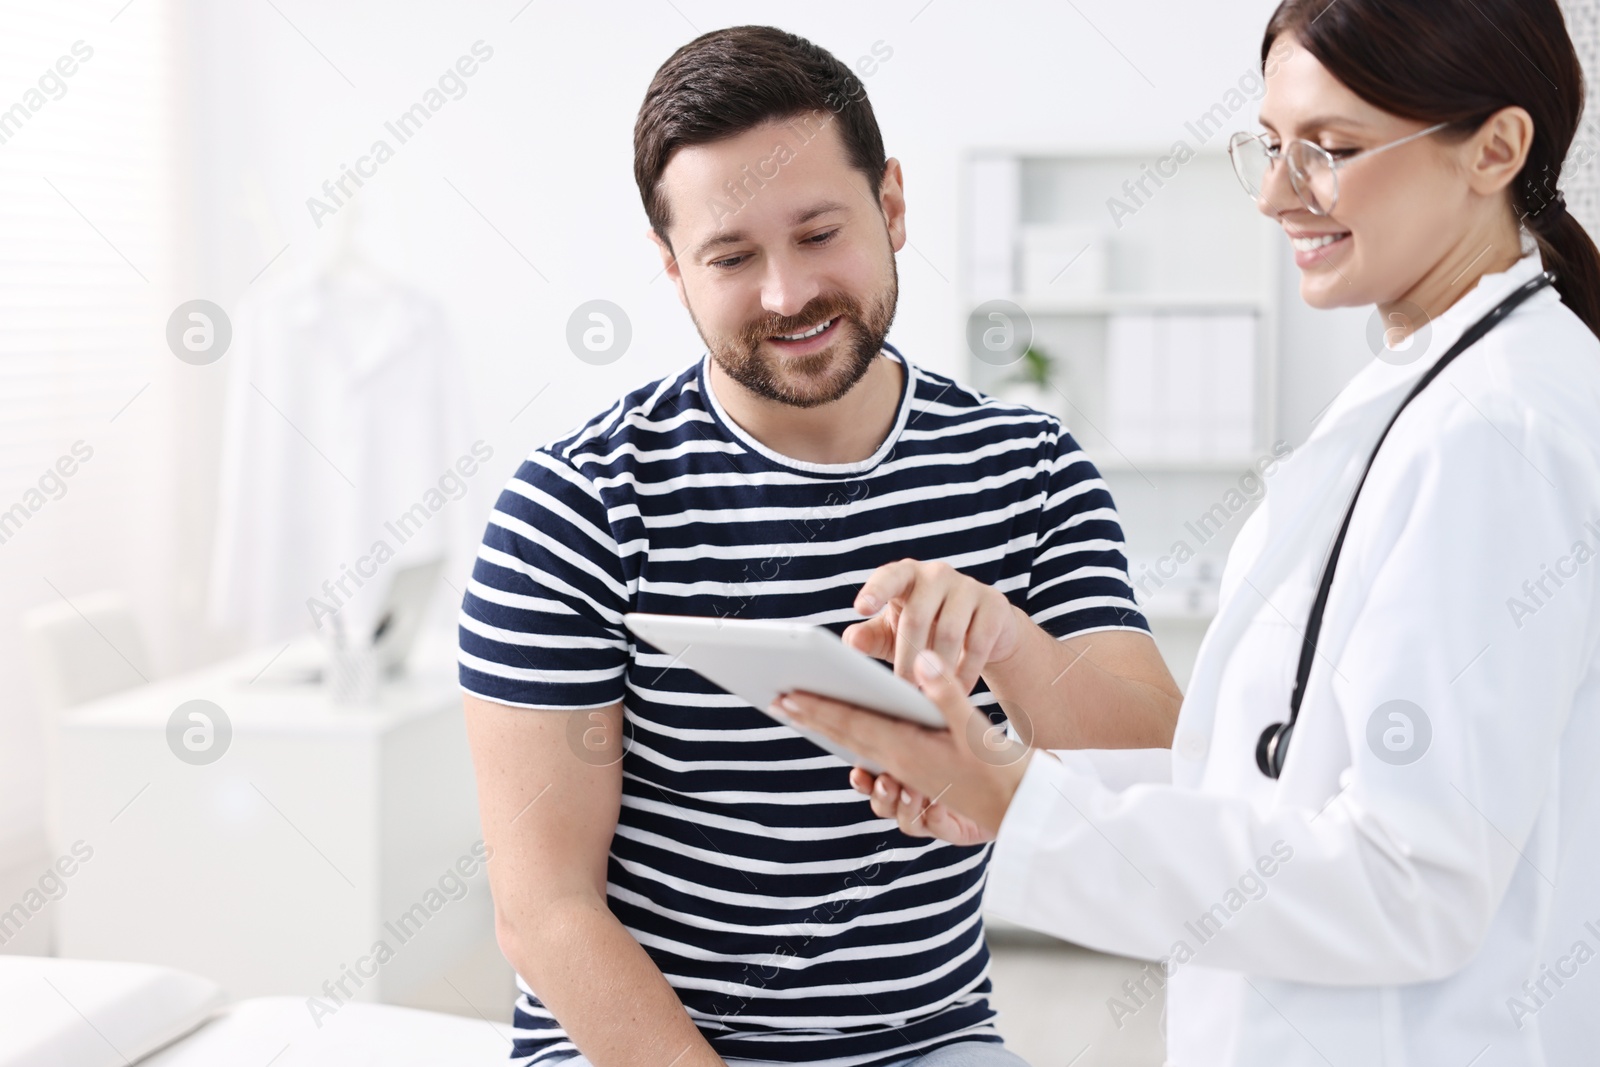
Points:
[(1422, 886)]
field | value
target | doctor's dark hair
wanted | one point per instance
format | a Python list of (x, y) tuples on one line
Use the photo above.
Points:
[(728, 81), (1460, 61)]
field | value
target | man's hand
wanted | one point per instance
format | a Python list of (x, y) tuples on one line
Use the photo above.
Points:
[(1108, 688), (934, 607)]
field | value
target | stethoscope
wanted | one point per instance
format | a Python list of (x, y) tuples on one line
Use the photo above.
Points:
[(1273, 748)]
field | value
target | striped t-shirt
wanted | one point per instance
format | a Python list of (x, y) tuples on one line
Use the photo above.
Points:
[(793, 923)]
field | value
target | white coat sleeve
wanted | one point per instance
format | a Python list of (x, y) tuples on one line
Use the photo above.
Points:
[(1397, 878)]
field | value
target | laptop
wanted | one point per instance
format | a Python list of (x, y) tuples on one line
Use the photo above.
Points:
[(399, 621)]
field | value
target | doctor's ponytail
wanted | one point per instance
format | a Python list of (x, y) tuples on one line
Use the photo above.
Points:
[(1460, 61), (1570, 253)]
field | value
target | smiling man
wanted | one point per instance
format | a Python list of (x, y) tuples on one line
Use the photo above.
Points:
[(680, 880)]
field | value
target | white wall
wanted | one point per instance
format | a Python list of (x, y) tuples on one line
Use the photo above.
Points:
[(541, 146), (88, 197), (541, 143), (279, 97)]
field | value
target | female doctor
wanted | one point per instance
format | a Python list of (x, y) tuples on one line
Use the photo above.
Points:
[(1411, 874)]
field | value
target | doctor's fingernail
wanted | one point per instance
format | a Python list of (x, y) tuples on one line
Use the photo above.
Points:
[(791, 706), (866, 604), (905, 797), (881, 790)]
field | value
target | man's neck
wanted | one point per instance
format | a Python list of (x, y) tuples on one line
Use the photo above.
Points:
[(848, 430)]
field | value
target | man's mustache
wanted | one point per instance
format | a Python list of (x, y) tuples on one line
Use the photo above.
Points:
[(812, 315)]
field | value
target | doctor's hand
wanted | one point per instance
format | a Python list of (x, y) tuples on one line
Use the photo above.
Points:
[(954, 784), (934, 607), (917, 815)]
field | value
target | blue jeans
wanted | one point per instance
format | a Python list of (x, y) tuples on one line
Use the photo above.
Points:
[(960, 1054), (966, 1054)]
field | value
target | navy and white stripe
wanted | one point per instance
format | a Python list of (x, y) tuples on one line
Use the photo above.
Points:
[(794, 924)]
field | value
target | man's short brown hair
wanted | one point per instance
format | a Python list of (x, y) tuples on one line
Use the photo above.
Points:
[(728, 81)]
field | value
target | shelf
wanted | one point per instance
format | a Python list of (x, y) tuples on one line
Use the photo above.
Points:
[(1194, 251), (1112, 303)]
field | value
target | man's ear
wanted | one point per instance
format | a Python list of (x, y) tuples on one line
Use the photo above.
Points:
[(669, 264), (892, 201)]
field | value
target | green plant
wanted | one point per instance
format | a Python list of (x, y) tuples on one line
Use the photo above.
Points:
[(1036, 367)]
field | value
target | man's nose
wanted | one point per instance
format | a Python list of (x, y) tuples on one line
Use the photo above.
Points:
[(788, 286)]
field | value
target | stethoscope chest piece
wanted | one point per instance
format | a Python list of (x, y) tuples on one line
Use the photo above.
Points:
[(1273, 748)]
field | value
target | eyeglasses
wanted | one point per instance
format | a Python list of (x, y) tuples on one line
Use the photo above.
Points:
[(1313, 171)]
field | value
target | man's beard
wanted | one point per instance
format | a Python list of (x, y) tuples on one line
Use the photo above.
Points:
[(823, 376)]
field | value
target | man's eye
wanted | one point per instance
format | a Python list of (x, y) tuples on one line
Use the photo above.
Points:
[(1341, 153), (727, 264), (822, 238)]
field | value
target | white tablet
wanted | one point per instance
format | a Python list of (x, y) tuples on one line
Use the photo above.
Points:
[(758, 660)]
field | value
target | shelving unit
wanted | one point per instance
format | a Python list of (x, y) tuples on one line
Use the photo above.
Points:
[(1193, 246), (1114, 302)]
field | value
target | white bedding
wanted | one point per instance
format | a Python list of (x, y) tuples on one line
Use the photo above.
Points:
[(358, 1035), (88, 1013)]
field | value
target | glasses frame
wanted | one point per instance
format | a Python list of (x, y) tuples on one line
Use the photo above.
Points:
[(1274, 155)]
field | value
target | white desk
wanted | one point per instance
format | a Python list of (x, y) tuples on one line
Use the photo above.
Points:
[(279, 865)]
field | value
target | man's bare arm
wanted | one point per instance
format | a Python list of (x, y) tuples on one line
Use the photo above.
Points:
[(1109, 689), (549, 815)]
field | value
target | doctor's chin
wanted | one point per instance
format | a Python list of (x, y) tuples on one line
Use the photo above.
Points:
[(914, 536)]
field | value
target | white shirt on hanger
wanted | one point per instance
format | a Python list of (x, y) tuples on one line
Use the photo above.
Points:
[(344, 410)]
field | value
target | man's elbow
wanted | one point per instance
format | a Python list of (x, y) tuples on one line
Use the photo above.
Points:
[(1167, 719), (505, 935), (546, 929), (1158, 724)]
